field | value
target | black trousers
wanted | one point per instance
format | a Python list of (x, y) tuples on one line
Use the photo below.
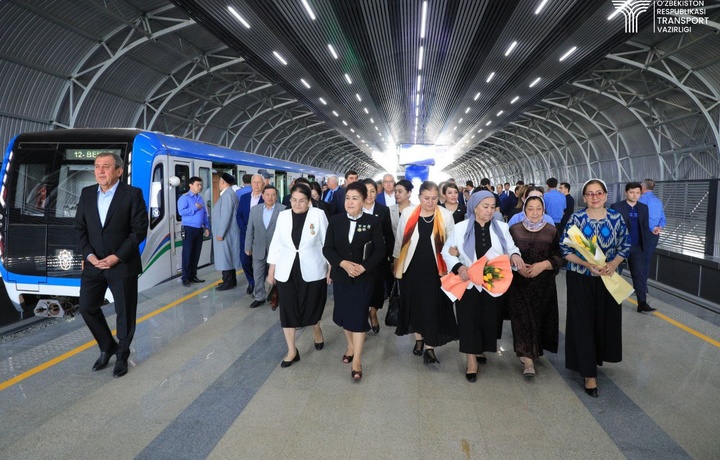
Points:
[(192, 246), (637, 263), (246, 260), (93, 284)]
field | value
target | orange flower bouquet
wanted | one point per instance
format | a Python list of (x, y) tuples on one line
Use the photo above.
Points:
[(494, 276), (591, 252)]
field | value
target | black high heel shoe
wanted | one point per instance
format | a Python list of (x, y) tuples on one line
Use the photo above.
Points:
[(356, 375), (289, 363), (482, 360), (418, 350), (471, 376), (319, 345), (592, 392), (429, 356)]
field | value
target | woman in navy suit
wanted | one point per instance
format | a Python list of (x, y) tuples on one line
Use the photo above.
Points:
[(354, 246), (371, 206), (297, 263)]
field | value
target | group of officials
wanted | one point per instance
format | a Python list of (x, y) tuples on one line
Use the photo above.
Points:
[(373, 230)]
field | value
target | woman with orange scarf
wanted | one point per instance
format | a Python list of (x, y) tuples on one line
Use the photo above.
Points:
[(424, 309)]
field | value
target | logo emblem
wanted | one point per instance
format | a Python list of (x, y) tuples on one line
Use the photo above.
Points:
[(65, 258), (631, 9)]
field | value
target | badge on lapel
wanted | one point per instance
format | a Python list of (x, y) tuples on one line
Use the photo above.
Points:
[(312, 229)]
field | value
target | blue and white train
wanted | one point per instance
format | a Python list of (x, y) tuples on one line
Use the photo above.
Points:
[(42, 175)]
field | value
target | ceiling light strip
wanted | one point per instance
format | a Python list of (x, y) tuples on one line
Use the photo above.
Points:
[(238, 17)]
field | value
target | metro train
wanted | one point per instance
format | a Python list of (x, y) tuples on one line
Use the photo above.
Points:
[(42, 176)]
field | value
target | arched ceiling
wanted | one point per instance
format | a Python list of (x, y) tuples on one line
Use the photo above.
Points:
[(620, 107)]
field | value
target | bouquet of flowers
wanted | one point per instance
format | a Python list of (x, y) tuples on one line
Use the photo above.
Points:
[(591, 252), (494, 276)]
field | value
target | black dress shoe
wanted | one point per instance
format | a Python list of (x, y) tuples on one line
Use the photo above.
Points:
[(429, 357), (104, 358), (121, 368), (471, 376), (375, 329), (224, 287), (257, 303), (418, 349), (289, 363), (592, 392), (186, 283), (197, 280), (319, 345), (644, 307), (249, 289), (482, 360)]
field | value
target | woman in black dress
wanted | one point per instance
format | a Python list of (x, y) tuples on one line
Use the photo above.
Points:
[(452, 195), (354, 246), (424, 308), (477, 312), (383, 270), (316, 194), (532, 297), (593, 328), (301, 278)]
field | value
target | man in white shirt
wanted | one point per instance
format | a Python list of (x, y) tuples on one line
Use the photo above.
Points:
[(387, 197)]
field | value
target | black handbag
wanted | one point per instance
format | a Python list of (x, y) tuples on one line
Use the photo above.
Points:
[(393, 313)]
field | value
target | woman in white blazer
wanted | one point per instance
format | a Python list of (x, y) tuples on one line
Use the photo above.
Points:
[(424, 308), (477, 312), (300, 269)]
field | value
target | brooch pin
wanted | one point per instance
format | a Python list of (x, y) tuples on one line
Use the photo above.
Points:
[(312, 229)]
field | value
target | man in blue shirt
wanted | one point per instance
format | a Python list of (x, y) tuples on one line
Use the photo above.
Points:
[(635, 215), (246, 188), (196, 224), (656, 220), (555, 201)]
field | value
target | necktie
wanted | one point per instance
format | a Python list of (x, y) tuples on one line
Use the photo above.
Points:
[(328, 197)]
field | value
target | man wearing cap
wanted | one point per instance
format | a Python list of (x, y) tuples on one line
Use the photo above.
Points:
[(226, 247), (247, 202), (266, 176)]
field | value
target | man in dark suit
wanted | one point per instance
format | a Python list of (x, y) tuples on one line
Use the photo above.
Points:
[(248, 201), (260, 230), (564, 188), (337, 205), (636, 217), (111, 221)]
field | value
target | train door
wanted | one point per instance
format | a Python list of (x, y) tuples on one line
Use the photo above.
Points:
[(203, 170), (180, 168), (281, 184)]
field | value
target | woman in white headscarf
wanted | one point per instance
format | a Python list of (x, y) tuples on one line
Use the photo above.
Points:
[(480, 234)]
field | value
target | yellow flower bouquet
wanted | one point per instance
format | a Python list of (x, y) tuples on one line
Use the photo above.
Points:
[(591, 252)]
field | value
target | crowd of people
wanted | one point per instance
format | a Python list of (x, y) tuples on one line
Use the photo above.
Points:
[(364, 236)]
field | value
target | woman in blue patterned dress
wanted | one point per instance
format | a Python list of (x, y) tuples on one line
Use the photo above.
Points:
[(593, 332)]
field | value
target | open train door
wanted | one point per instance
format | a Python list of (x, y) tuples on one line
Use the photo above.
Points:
[(184, 169)]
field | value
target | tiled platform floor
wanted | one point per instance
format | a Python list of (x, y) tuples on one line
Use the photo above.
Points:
[(205, 382)]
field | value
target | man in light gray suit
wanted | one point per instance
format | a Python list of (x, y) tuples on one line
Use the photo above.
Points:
[(260, 229), (226, 247)]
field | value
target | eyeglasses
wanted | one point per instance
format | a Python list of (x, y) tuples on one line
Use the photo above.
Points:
[(595, 194)]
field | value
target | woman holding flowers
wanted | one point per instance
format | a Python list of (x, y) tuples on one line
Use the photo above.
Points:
[(477, 313), (593, 328), (532, 298), (424, 309)]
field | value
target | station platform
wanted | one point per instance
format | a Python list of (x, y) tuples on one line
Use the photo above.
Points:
[(205, 382)]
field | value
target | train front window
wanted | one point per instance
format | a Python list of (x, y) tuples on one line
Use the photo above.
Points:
[(44, 183), (49, 177)]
